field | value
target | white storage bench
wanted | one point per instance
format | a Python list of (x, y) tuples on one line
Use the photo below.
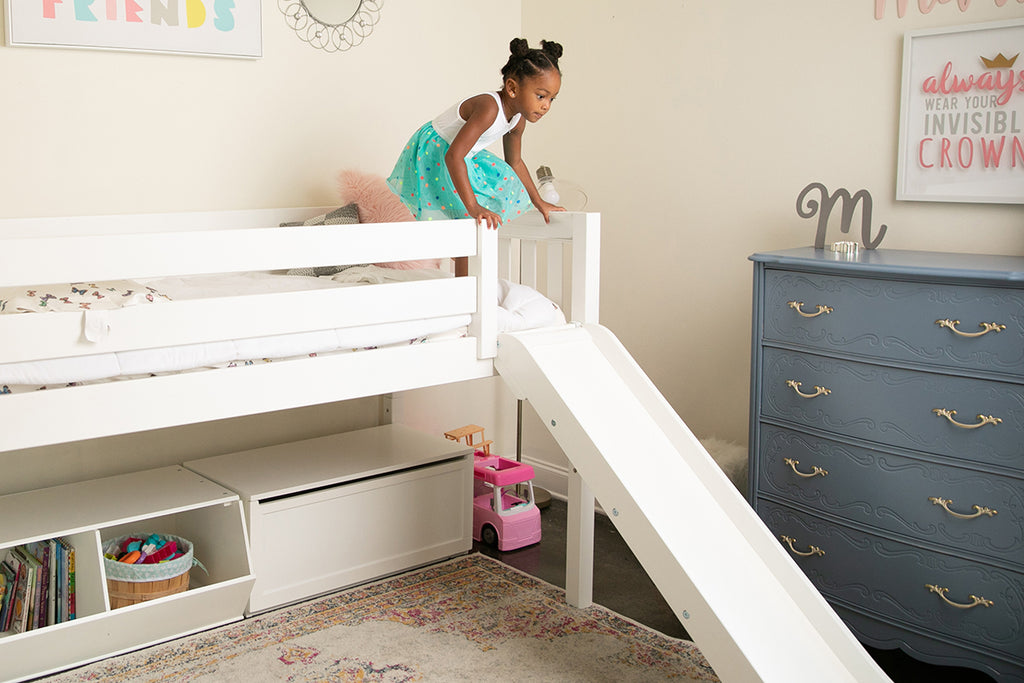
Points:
[(338, 510)]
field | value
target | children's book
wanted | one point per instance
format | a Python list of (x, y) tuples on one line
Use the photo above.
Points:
[(4, 594), (23, 592), (51, 603), (15, 616), (69, 568), (11, 578), (59, 584), (40, 550)]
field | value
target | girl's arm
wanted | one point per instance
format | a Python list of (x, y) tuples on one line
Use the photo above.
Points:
[(479, 113), (513, 146)]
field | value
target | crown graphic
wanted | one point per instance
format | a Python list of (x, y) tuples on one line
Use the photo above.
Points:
[(1000, 61)]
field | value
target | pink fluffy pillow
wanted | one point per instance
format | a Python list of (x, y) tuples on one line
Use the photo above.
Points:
[(378, 204)]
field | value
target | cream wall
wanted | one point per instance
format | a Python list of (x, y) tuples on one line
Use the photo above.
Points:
[(695, 125), (89, 132)]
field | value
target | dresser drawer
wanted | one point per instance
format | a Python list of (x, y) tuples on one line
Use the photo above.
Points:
[(891, 579), (895, 406), (895, 320), (956, 507)]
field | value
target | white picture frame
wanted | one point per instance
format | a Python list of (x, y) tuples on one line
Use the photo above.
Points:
[(961, 135), (221, 28)]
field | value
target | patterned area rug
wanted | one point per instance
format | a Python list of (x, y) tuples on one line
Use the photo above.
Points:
[(472, 618)]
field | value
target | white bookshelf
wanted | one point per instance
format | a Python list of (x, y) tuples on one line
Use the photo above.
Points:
[(169, 500)]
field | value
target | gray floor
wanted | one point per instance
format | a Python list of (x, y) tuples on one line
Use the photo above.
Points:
[(621, 585)]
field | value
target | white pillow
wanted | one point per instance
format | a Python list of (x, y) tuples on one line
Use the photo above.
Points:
[(523, 308)]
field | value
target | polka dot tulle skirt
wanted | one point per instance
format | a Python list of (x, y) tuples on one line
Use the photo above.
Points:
[(422, 181)]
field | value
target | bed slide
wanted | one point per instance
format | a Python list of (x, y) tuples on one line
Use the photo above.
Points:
[(746, 604)]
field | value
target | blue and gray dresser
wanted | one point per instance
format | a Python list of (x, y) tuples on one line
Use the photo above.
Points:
[(887, 443)]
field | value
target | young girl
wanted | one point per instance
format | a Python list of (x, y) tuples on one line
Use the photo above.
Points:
[(445, 170)]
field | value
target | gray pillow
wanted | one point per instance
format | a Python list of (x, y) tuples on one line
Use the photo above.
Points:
[(345, 215)]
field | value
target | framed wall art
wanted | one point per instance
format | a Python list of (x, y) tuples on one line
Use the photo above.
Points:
[(226, 28), (961, 136)]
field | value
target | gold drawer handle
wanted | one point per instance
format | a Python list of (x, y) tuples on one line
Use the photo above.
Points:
[(978, 510), (986, 327), (982, 419), (798, 307), (815, 470), (818, 391), (975, 600), (812, 549)]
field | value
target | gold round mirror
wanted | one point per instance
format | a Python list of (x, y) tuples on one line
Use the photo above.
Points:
[(331, 25)]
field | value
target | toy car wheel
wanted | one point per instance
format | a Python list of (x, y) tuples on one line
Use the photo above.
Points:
[(489, 536)]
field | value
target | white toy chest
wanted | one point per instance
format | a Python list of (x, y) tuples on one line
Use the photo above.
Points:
[(338, 510)]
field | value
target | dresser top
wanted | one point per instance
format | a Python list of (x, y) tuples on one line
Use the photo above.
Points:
[(889, 261)]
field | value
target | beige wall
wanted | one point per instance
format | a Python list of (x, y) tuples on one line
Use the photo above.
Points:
[(89, 132), (695, 125)]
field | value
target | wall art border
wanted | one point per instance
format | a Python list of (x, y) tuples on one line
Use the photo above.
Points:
[(961, 135), (222, 28)]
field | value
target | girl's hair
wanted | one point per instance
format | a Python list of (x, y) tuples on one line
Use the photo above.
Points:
[(526, 61)]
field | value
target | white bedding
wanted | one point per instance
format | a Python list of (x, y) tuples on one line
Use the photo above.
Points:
[(520, 307)]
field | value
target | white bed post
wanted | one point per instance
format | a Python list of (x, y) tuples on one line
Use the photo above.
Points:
[(484, 267), (586, 268), (584, 307)]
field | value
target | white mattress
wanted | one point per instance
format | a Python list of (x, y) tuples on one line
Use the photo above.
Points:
[(520, 307)]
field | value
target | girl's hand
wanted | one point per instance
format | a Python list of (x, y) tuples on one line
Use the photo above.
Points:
[(482, 215), (546, 208)]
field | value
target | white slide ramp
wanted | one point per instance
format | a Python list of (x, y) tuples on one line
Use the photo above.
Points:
[(746, 604)]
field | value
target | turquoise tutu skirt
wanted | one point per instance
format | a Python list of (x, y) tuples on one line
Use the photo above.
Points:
[(422, 181)]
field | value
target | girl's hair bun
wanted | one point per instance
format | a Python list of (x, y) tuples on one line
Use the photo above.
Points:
[(519, 47), (552, 49)]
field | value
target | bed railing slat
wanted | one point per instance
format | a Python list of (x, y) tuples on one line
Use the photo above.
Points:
[(28, 336), (111, 257), (67, 226)]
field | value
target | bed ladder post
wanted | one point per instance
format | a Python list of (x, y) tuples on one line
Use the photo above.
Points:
[(484, 267)]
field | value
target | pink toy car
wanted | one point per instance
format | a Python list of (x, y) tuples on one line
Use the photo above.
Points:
[(500, 516)]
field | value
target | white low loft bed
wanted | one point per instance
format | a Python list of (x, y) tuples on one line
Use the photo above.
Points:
[(132, 247), (89, 249)]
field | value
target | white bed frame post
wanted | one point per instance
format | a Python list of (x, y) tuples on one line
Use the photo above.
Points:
[(586, 268)]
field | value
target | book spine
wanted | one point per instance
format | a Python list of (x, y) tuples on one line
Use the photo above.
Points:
[(66, 579), (51, 578), (19, 621), (11, 576), (38, 615), (5, 594), (71, 582)]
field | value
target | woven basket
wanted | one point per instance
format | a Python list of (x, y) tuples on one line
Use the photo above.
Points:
[(130, 584)]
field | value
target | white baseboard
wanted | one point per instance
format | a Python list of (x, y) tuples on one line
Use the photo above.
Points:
[(552, 478)]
